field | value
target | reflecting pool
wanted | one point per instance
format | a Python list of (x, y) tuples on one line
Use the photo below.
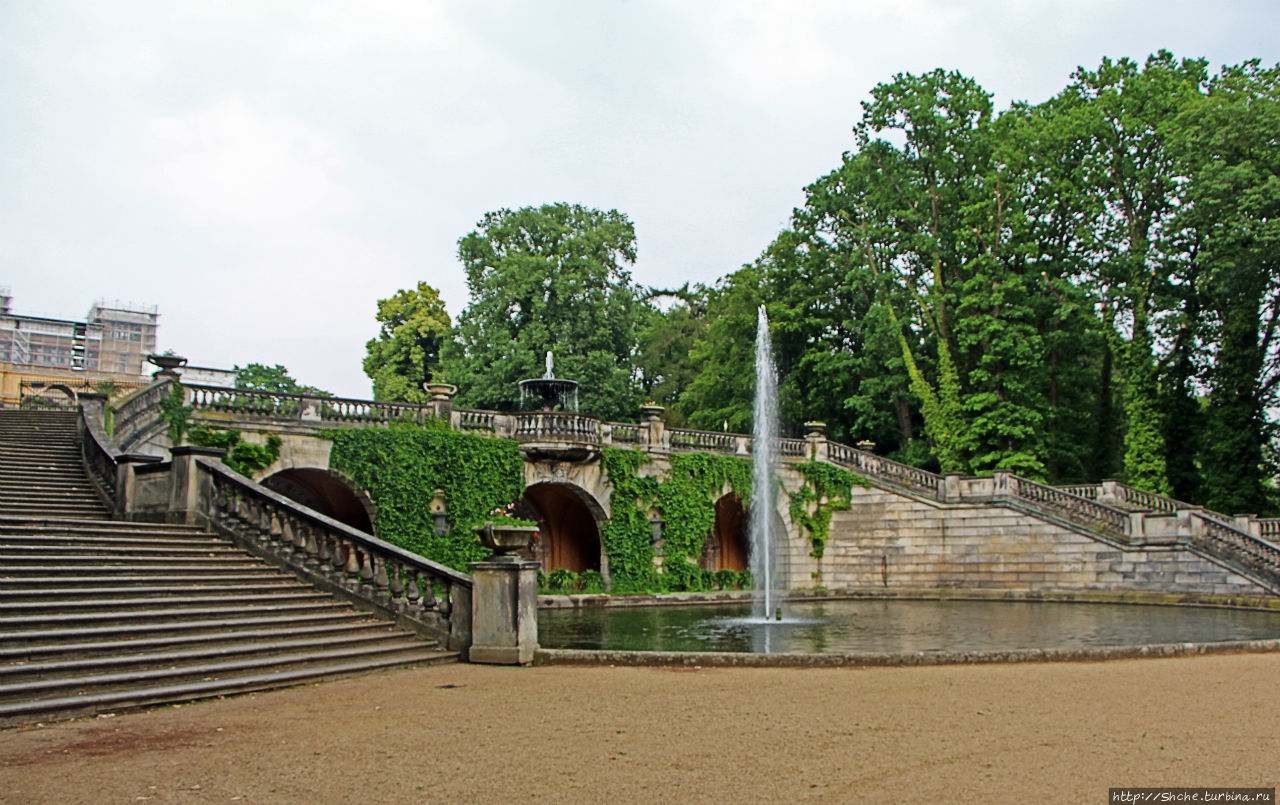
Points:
[(853, 626)]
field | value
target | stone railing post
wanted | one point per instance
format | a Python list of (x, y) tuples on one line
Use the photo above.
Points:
[(504, 611), (1111, 493), (815, 433), (951, 487), (653, 425), (441, 399), (1248, 523), (184, 488), (309, 409), (1002, 481), (126, 480)]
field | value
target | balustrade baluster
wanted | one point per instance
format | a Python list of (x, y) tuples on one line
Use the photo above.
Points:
[(412, 593), (381, 584), (323, 554), (353, 562), (445, 606), (395, 584)]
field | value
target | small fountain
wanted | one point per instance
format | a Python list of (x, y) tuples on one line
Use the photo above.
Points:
[(550, 391), (764, 432)]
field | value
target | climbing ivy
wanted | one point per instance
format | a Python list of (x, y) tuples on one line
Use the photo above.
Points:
[(401, 467), (830, 488), (176, 416), (244, 457), (686, 502)]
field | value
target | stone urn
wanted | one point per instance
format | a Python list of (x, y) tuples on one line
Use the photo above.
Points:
[(505, 540), (167, 363), (652, 412), (440, 391)]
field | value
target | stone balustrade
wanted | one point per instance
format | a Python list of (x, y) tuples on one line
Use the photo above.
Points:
[(556, 426), (433, 598), (904, 476), (1111, 510)]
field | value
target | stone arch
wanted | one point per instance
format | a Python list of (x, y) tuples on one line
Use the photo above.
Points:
[(47, 395), (726, 547), (568, 528), (327, 492)]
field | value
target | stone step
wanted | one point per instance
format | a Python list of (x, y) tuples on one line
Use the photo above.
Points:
[(175, 616), (103, 523), (123, 540), (165, 656), (203, 668), (25, 711), (82, 560), (104, 572), (140, 606), (112, 549), (217, 626), (69, 584), (100, 645), (68, 595)]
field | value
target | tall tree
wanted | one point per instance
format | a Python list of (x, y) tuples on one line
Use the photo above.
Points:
[(1227, 140), (551, 278), (1120, 111), (414, 326)]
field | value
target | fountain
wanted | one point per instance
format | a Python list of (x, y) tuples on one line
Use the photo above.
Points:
[(550, 390), (764, 431)]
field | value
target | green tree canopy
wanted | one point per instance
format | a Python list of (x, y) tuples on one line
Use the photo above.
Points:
[(260, 377), (407, 351), (551, 278)]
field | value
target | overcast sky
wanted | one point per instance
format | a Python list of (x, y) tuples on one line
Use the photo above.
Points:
[(264, 172)]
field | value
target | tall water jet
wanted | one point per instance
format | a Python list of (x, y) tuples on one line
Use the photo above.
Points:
[(764, 430)]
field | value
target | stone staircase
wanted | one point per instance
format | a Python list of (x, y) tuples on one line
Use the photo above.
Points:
[(99, 615)]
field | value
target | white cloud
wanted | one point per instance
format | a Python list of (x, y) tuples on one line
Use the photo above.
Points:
[(231, 163)]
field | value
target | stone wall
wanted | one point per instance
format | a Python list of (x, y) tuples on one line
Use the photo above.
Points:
[(892, 541)]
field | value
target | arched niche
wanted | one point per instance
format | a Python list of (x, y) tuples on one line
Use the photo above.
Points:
[(726, 547), (327, 493), (568, 528)]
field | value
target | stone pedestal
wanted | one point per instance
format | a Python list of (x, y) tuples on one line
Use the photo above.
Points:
[(504, 611)]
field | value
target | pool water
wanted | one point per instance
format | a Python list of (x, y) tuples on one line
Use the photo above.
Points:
[(853, 626)]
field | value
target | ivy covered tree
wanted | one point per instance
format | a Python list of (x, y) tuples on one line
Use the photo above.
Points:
[(406, 353), (544, 279)]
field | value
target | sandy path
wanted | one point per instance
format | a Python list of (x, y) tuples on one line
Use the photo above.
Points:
[(1012, 733)]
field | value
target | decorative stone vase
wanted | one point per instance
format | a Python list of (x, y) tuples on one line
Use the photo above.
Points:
[(813, 428), (167, 363), (505, 540), (440, 391), (652, 412)]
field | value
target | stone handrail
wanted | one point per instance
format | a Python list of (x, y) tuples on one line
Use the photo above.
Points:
[(557, 426), (99, 456), (1269, 528), (703, 440), (1075, 508), (894, 472), (1224, 541), (430, 596), (139, 411), (624, 432), (302, 407), (795, 448), (1089, 491), (470, 420)]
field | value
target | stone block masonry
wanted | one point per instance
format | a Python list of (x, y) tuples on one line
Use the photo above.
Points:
[(888, 540)]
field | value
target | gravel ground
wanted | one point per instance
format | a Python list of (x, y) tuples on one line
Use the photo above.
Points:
[(1033, 733)]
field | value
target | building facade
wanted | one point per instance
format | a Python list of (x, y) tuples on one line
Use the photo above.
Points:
[(110, 346)]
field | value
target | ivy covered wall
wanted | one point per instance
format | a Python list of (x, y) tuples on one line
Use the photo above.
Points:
[(401, 467), (684, 499)]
